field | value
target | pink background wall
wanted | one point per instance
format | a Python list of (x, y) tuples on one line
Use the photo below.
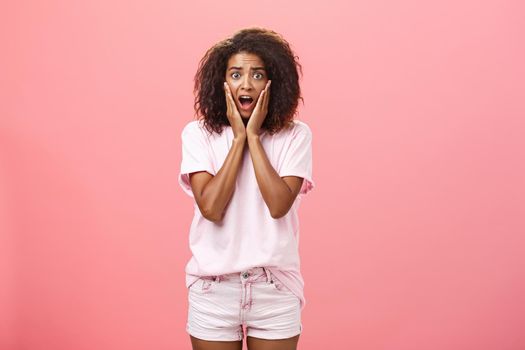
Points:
[(412, 239)]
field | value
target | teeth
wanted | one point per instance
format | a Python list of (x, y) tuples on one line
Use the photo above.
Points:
[(245, 100)]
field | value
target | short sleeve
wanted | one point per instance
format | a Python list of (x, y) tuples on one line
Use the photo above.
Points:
[(195, 155), (298, 157)]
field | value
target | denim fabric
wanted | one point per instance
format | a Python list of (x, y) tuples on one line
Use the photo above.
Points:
[(220, 307)]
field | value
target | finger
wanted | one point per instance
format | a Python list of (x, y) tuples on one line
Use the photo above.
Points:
[(233, 106), (227, 92), (227, 99), (267, 95), (229, 106), (259, 101)]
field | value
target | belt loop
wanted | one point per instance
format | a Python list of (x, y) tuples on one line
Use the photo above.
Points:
[(268, 275)]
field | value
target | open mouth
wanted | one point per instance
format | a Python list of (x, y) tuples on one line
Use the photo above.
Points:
[(246, 101)]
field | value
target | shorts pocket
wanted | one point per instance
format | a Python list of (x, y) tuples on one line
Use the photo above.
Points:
[(195, 283), (203, 285), (279, 287)]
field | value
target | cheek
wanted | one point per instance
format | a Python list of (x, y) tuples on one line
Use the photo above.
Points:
[(232, 84), (262, 85)]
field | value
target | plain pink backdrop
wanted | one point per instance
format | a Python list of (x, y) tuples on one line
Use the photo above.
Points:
[(413, 238)]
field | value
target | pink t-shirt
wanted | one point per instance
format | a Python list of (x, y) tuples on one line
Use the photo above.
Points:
[(247, 236)]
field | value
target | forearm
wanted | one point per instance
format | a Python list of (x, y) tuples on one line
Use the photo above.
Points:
[(219, 190), (275, 192)]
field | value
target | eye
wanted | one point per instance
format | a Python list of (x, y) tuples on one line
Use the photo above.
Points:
[(259, 74), (232, 75)]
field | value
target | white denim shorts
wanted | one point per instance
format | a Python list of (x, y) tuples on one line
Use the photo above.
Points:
[(221, 306)]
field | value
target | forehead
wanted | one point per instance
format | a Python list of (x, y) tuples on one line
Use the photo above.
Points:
[(245, 58)]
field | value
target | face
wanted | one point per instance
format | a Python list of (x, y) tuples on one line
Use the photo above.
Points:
[(246, 75)]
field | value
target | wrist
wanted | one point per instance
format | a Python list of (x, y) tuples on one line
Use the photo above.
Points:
[(252, 136), (239, 138)]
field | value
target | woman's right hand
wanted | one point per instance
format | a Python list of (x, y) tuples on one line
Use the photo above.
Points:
[(239, 130)]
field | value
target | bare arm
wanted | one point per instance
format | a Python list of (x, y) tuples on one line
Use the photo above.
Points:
[(212, 193), (279, 193)]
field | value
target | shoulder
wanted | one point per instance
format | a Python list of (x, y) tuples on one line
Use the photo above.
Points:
[(192, 127), (300, 128), (197, 129)]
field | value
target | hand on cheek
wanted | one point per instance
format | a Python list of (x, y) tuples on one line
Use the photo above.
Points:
[(259, 112), (232, 113)]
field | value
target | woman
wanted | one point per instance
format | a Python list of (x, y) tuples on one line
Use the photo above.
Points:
[(246, 162)]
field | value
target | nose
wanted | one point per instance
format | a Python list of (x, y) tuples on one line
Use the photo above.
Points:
[(246, 83)]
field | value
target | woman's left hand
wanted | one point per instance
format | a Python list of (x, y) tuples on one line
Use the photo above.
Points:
[(259, 112)]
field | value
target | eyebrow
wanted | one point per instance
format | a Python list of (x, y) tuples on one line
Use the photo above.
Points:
[(254, 68)]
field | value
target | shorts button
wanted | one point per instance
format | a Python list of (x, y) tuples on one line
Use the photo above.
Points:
[(245, 275)]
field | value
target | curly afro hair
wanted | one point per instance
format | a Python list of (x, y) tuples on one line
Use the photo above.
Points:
[(282, 69)]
